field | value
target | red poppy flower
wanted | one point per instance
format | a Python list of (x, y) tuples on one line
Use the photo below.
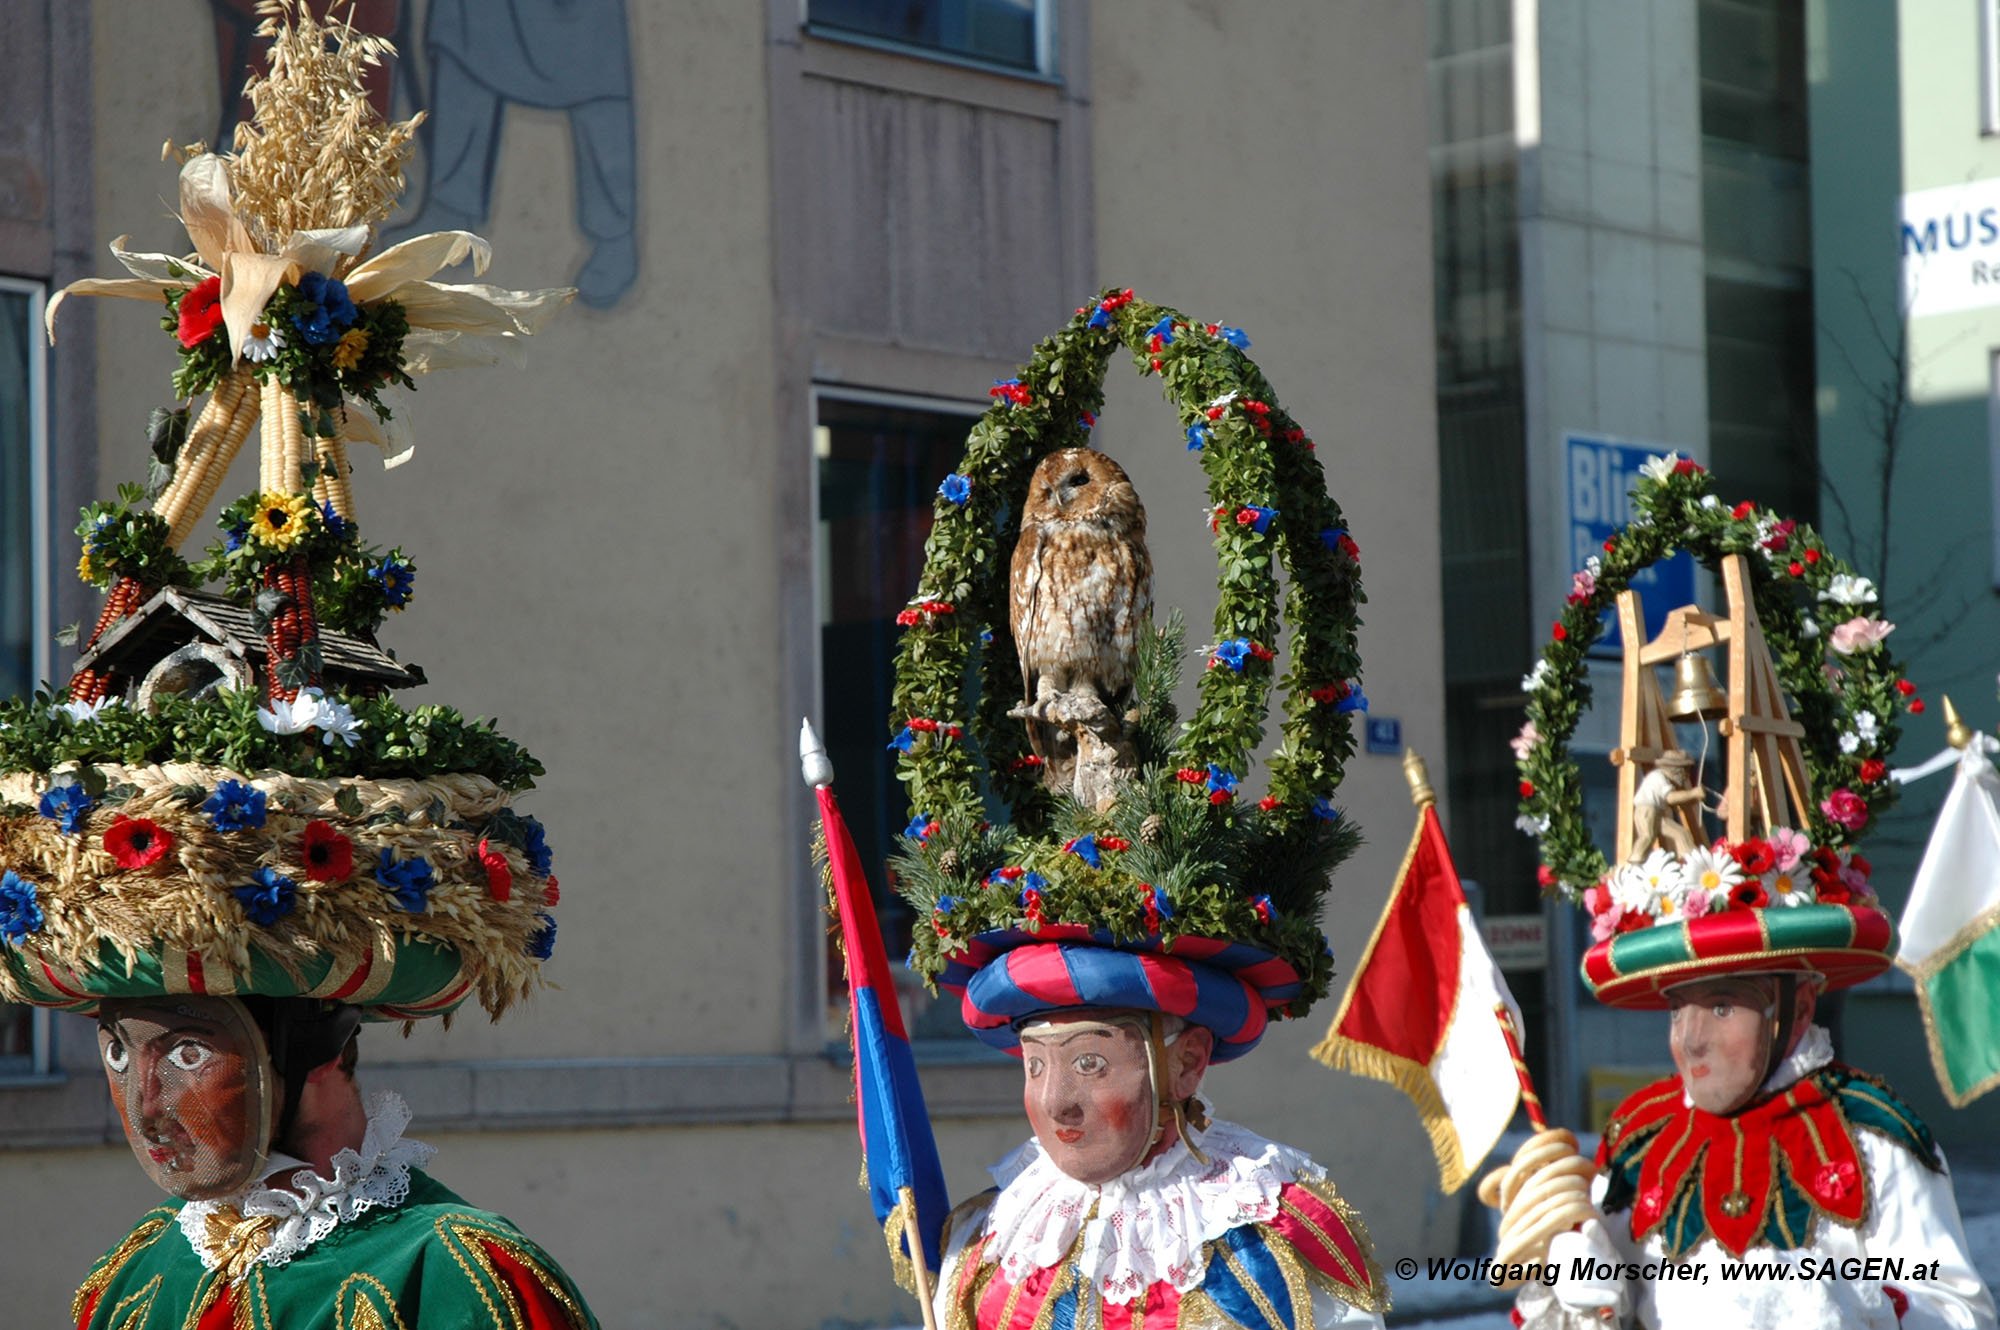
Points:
[(1743, 510), (1916, 706), (328, 855), (1795, 568), (1268, 802), (137, 842), (1751, 895), (1545, 875), (1873, 769), (499, 877), (1527, 789), (1755, 857), (201, 313), (1905, 687), (1559, 633)]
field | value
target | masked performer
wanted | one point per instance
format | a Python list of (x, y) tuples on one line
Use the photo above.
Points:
[(224, 838), (1136, 920), (1765, 1183)]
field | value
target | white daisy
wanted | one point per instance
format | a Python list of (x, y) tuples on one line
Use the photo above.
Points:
[(1789, 888), (263, 343), (1712, 871)]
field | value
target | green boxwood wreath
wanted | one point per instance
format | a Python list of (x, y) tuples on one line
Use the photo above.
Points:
[(1179, 854), (1797, 585)]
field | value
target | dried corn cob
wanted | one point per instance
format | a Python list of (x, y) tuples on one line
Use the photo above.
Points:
[(211, 446), (333, 487)]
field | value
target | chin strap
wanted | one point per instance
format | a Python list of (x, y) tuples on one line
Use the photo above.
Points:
[(1183, 1113)]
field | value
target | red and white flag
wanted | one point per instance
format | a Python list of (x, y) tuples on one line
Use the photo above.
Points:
[(1423, 1011)]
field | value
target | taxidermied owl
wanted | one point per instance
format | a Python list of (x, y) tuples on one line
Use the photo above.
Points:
[(1081, 593)]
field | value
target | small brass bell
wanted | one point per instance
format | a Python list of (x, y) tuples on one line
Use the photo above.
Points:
[(1696, 695)]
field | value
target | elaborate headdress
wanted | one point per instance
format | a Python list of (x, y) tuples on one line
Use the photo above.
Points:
[(225, 799), (1150, 880), (1808, 716)]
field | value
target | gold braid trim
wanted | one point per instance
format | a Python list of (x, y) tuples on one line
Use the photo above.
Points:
[(1372, 1293), (355, 1309), (109, 1265)]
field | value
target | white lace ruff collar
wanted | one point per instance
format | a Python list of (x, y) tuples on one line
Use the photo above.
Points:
[(376, 1178), (1151, 1223)]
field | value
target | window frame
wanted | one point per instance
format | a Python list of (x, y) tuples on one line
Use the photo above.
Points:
[(40, 1065), (1047, 52), (929, 1049), (1989, 68)]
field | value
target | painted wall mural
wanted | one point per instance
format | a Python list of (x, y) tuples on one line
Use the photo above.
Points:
[(471, 61)]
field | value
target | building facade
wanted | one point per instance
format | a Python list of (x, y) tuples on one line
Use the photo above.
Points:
[(808, 236)]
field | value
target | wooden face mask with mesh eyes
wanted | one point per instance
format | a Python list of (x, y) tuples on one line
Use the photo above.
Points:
[(192, 1083)]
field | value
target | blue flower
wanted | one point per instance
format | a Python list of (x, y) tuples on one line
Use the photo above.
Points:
[(336, 526), (233, 538), (1086, 422), (1234, 336), (1099, 318), (1197, 435), (956, 489), (396, 579), (945, 905), (1085, 848), (905, 740), (331, 312), (920, 827), (1330, 537), (315, 328), (1356, 700), (235, 806), (986, 637), (535, 845), (1264, 517), (1221, 781), (1324, 810), (1234, 652), (543, 944), (1164, 330), (20, 912), (269, 897), (67, 805), (1034, 882), (1163, 903), (408, 880)]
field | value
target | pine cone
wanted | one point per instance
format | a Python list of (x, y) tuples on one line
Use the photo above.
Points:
[(948, 863), (1153, 830)]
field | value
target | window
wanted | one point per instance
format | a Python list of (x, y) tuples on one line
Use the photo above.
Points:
[(1013, 34), (25, 632), (879, 459)]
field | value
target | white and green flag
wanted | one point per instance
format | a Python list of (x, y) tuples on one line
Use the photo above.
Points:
[(1951, 930)]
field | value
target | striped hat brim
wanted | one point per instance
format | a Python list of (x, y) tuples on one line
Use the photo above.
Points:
[(1845, 944)]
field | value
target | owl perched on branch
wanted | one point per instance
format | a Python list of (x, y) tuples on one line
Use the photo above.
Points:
[(1081, 592)]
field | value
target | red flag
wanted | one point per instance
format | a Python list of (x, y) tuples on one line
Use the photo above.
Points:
[(1422, 1011)]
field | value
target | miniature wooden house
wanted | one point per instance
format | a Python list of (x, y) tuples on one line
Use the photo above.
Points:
[(194, 642)]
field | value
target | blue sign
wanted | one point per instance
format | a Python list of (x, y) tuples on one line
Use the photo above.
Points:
[(1600, 474), (1384, 735)]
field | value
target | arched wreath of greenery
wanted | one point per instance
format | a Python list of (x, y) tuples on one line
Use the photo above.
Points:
[(1846, 700), (1179, 853)]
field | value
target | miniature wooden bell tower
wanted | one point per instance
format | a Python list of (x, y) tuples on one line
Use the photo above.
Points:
[(1765, 773)]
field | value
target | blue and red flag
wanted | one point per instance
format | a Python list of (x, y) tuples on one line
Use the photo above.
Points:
[(897, 1146)]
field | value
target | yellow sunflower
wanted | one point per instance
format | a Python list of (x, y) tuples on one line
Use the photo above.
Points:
[(282, 520), (347, 352)]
